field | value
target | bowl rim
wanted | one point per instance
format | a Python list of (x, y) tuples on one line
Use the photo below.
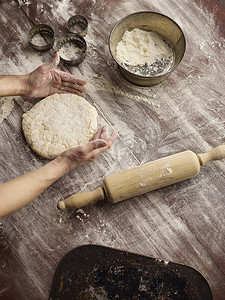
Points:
[(141, 12)]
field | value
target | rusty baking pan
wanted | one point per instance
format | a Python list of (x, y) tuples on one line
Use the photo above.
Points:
[(97, 272)]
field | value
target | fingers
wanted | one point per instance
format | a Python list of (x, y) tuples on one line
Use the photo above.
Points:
[(80, 155), (51, 64), (102, 133), (97, 134), (71, 84), (66, 77), (91, 150), (109, 141), (93, 145), (97, 146), (74, 88), (65, 90), (112, 138)]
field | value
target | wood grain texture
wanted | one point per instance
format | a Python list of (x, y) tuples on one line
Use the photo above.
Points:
[(183, 223)]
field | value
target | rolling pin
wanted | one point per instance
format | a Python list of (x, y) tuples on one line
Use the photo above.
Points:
[(145, 178)]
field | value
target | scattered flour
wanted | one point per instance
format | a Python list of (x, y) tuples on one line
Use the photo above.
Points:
[(144, 53), (62, 9), (41, 39), (160, 260), (77, 28), (6, 106), (71, 51), (165, 171), (102, 84), (40, 7), (24, 2), (82, 212)]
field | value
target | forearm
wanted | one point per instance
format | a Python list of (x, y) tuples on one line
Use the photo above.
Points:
[(18, 192), (12, 85)]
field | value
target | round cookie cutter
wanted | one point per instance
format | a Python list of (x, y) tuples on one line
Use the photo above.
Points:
[(41, 37), (78, 24), (72, 48)]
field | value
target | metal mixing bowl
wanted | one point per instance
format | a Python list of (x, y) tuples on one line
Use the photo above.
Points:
[(149, 21)]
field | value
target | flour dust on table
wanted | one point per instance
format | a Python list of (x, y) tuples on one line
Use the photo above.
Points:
[(6, 106), (59, 122)]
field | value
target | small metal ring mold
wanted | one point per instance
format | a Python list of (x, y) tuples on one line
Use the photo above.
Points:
[(72, 48), (41, 37), (78, 24)]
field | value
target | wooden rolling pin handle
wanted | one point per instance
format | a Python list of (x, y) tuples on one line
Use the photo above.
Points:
[(81, 199), (215, 154)]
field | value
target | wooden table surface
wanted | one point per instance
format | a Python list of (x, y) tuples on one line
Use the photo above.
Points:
[(182, 223)]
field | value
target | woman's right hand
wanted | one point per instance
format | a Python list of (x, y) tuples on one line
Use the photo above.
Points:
[(80, 155)]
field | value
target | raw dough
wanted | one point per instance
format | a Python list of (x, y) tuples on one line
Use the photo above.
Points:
[(59, 122)]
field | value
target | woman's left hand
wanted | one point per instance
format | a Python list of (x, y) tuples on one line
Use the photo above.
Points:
[(46, 80)]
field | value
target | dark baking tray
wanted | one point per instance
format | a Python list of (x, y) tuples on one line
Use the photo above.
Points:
[(97, 272)]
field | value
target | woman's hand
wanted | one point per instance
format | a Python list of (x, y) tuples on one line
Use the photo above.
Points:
[(18, 192), (46, 80), (80, 155)]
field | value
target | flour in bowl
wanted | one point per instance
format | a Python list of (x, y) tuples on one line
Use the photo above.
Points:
[(59, 122), (71, 51), (144, 53)]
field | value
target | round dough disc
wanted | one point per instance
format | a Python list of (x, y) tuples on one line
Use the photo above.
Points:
[(59, 122)]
